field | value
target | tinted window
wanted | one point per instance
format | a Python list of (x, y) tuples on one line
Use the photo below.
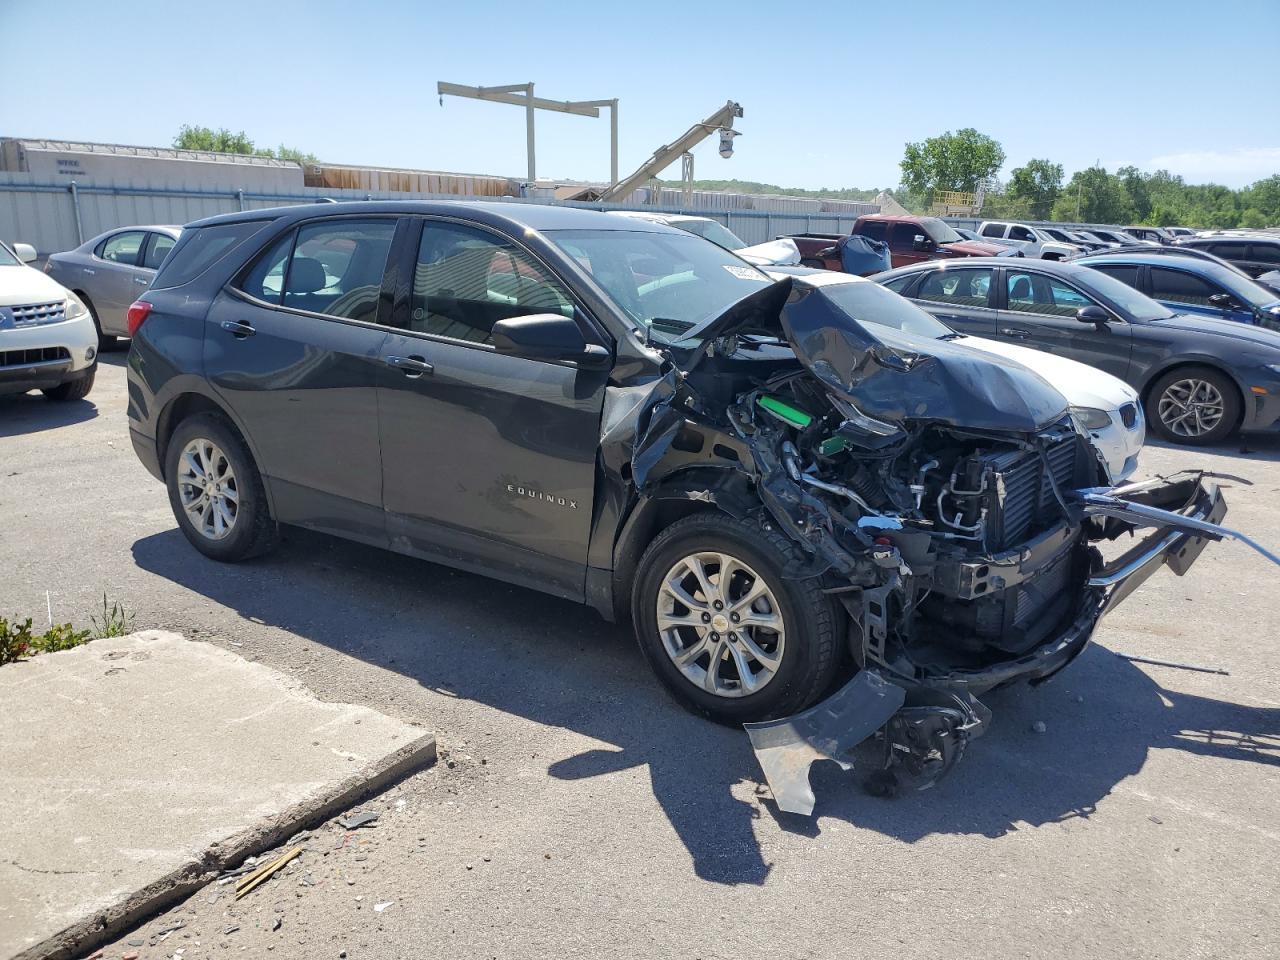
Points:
[(875, 229), (1127, 275), (993, 230), (967, 288), (1033, 293), (337, 267), (1228, 251), (898, 284), (904, 235), (157, 250), (1021, 233), (1265, 252), (122, 248), (197, 250), (466, 280), (265, 278), (1179, 287)]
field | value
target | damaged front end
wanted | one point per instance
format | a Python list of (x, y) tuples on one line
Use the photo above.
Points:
[(944, 497)]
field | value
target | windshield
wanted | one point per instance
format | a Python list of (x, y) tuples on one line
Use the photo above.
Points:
[(667, 283), (1244, 288), (1133, 302), (871, 303), (1059, 235), (938, 231), (711, 230), (7, 259)]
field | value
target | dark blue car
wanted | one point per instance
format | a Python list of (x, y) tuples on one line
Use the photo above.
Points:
[(1188, 285)]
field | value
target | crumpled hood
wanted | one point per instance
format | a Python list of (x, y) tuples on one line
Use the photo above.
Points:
[(890, 375), (780, 253)]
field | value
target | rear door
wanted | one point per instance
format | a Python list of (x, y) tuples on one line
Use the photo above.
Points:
[(489, 460), (1040, 311), (294, 351), (1185, 292), (110, 278), (961, 297)]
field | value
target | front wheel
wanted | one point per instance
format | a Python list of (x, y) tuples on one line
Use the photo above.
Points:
[(725, 632), (1194, 406), (215, 490), (76, 389)]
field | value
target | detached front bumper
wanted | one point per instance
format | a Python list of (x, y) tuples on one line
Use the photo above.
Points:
[(1184, 513)]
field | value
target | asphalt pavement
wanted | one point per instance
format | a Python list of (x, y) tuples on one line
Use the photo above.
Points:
[(577, 812)]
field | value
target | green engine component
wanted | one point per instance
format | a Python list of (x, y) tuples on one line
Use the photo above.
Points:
[(785, 412), (832, 445)]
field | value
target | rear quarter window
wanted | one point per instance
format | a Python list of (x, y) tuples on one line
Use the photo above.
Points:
[(200, 249)]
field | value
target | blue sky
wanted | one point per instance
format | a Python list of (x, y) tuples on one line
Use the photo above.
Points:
[(831, 91)]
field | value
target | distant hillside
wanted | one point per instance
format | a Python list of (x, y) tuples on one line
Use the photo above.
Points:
[(751, 186)]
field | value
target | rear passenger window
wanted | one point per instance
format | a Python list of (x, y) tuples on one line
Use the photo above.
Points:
[(197, 250), (993, 230), (1179, 287), (874, 229), (337, 267), (898, 284), (265, 279), (1265, 252), (966, 288), (122, 248), (466, 280), (1127, 275)]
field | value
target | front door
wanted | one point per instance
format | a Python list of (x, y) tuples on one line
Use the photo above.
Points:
[(489, 460), (113, 272), (1040, 311), (294, 351), (902, 239)]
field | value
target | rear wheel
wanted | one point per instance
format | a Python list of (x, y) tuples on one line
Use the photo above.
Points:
[(76, 389), (215, 490), (1194, 405), (725, 632)]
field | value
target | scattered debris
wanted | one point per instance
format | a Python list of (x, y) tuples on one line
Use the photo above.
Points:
[(357, 820), (230, 930), (379, 907), (251, 881), (276, 924), (1155, 819), (1039, 726), (1172, 663)]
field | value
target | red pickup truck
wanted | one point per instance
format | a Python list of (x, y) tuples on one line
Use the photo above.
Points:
[(910, 239)]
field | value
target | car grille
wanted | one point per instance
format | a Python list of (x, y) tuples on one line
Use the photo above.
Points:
[(24, 358), (1129, 414), (37, 314), (1027, 501)]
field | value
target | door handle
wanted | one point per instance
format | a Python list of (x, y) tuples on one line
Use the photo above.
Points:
[(88, 272), (1015, 333), (142, 280), (238, 329), (412, 367)]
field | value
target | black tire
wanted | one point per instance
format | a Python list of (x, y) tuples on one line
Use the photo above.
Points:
[(809, 658), (76, 389), (106, 341), (1232, 404), (253, 531)]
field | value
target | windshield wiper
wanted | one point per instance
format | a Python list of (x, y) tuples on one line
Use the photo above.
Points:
[(671, 325), (949, 336)]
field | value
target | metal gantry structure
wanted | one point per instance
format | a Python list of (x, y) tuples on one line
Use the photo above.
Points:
[(521, 95)]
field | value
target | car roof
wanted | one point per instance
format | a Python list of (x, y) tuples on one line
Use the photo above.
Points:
[(511, 215), (1056, 268), (1168, 262)]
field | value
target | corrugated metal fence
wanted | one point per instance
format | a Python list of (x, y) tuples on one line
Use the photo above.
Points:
[(58, 216)]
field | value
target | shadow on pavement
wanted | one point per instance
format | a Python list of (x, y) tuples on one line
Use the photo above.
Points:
[(31, 412), (558, 663), (1248, 446)]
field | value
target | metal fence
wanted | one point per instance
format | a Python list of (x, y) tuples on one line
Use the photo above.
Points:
[(59, 216)]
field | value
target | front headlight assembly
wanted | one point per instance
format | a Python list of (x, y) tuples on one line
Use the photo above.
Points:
[(1091, 418), (75, 307)]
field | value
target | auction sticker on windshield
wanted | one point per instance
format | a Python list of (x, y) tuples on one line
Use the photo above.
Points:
[(745, 273)]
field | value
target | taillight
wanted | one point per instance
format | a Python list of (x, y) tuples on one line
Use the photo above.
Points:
[(139, 310)]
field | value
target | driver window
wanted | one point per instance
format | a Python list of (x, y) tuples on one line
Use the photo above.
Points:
[(966, 288), (1032, 293), (466, 280)]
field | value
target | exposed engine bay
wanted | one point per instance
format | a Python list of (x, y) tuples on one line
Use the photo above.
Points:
[(947, 501)]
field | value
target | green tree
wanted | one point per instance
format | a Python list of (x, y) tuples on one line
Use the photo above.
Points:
[(1254, 219), (1093, 196), (223, 140), (1135, 186), (1035, 186), (952, 161)]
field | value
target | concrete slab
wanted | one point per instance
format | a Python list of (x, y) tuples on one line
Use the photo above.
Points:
[(132, 769)]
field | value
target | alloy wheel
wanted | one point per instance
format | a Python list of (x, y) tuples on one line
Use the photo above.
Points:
[(208, 489), (1191, 407), (721, 624)]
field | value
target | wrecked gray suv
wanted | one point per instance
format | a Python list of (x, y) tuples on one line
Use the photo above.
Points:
[(825, 522)]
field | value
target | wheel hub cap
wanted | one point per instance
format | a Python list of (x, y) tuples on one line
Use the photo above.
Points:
[(721, 624), (207, 489), (1191, 407)]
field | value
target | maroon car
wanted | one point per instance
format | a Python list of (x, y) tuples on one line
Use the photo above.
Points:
[(910, 239)]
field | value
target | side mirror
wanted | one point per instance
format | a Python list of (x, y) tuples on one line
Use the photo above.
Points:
[(1093, 314), (921, 242), (1223, 301), (25, 252), (547, 336)]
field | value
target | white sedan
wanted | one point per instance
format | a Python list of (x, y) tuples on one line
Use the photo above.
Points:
[(781, 252), (47, 338), (1103, 406)]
